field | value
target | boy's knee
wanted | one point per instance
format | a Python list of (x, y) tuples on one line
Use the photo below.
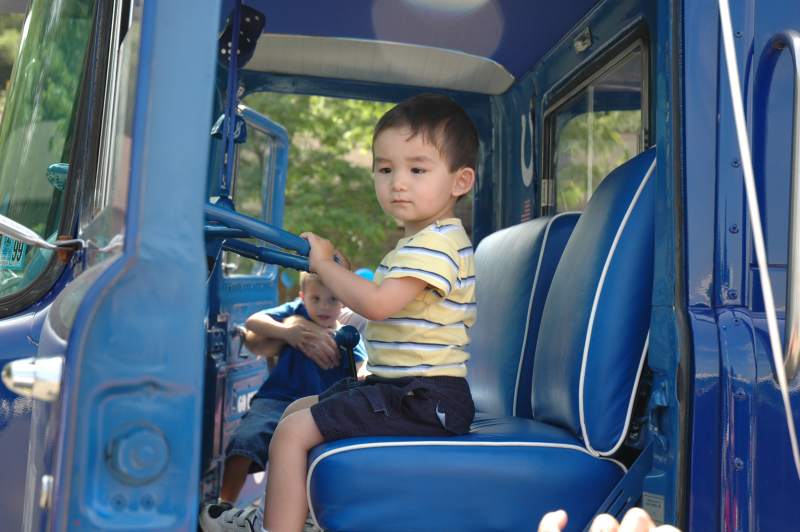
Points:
[(296, 430), (288, 429), (300, 404)]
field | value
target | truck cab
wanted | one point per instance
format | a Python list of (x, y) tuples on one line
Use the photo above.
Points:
[(633, 225)]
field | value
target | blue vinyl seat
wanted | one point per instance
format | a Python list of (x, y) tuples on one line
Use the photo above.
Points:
[(501, 383), (510, 470)]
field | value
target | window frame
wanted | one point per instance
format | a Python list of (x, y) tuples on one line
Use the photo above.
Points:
[(269, 181), (613, 56), (95, 198)]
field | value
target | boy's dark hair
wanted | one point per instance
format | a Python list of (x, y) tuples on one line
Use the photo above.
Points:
[(440, 121)]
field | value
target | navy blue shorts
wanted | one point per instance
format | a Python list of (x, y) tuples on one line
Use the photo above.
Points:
[(254, 432), (406, 406)]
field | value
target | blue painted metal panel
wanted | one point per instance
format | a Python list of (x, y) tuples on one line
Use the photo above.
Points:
[(145, 312), (705, 444), (18, 341), (699, 134), (737, 380), (699, 146), (19, 337), (776, 486), (736, 400), (668, 357)]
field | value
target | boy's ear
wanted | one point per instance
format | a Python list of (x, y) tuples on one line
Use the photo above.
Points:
[(465, 179), (301, 296)]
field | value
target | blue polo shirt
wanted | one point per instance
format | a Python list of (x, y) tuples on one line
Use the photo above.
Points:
[(295, 375)]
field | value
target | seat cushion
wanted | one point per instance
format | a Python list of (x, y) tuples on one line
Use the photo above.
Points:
[(504, 475)]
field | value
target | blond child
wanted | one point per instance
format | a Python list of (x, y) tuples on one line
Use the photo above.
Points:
[(297, 332)]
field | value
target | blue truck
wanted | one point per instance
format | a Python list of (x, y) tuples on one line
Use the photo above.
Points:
[(637, 254)]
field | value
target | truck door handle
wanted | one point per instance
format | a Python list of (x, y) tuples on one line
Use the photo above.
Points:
[(788, 40), (37, 378)]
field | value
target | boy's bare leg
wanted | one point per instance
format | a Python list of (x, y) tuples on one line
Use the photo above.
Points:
[(300, 404), (285, 505), (234, 477)]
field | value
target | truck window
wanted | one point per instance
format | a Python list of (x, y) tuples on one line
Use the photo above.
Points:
[(596, 127), (257, 168), (329, 187), (104, 199), (35, 133)]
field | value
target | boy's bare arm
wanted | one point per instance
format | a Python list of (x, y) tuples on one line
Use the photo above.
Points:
[(268, 336), (263, 347), (374, 302)]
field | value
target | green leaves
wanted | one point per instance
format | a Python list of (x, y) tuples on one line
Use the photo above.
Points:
[(10, 25), (329, 189)]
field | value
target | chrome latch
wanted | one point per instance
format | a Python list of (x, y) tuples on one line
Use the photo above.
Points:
[(46, 494), (38, 378)]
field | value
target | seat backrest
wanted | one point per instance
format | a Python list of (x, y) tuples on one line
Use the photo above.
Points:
[(514, 267), (594, 330)]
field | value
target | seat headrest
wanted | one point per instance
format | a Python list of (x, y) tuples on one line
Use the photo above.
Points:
[(594, 329)]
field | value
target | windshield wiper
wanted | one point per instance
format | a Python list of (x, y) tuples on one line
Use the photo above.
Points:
[(24, 234)]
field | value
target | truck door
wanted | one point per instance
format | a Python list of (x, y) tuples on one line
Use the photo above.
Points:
[(39, 132), (118, 376)]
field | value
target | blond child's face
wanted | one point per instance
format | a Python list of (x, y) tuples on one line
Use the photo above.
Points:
[(413, 181), (321, 304)]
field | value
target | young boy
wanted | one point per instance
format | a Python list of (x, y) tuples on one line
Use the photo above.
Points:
[(420, 307), (294, 376)]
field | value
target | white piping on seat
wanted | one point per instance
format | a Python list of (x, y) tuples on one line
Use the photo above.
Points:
[(590, 326), (530, 308), (631, 400), (438, 443)]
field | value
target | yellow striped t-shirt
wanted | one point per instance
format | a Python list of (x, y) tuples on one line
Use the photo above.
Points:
[(429, 336)]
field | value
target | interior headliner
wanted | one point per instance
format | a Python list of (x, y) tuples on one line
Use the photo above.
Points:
[(513, 33)]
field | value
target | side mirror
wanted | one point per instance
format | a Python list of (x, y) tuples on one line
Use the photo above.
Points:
[(57, 175)]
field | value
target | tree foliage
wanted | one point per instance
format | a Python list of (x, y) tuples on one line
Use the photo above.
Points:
[(592, 146), (329, 188), (10, 25)]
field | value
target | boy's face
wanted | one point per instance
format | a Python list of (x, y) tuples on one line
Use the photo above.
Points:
[(321, 304), (413, 180)]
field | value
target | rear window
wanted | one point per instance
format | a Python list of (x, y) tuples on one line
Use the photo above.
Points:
[(594, 128)]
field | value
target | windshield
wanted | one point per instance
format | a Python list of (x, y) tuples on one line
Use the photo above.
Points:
[(34, 134)]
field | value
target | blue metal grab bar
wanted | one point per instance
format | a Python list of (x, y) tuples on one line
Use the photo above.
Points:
[(257, 229), (788, 40), (270, 256)]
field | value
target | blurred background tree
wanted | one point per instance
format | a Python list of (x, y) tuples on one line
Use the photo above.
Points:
[(588, 148), (329, 188), (10, 26)]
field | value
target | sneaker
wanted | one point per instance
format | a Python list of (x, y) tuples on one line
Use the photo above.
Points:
[(209, 513), (225, 518)]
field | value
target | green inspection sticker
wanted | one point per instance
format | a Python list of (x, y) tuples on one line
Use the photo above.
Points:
[(12, 254)]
